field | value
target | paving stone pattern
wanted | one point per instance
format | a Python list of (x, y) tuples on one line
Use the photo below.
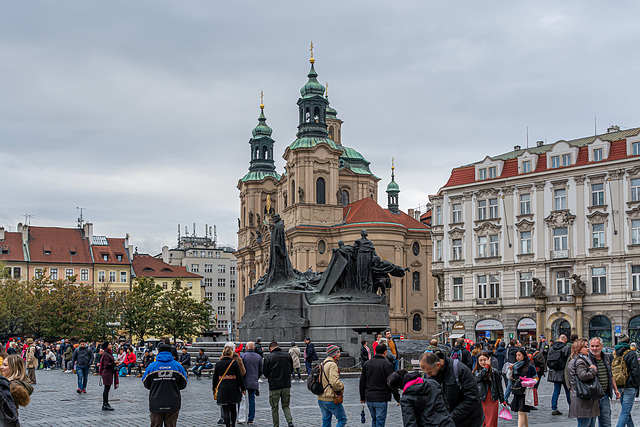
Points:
[(56, 403)]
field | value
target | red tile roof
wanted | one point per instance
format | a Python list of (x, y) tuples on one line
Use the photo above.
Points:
[(60, 243), (368, 211), (115, 247), (618, 150), (510, 168), (462, 175), (425, 218), (13, 244), (148, 266)]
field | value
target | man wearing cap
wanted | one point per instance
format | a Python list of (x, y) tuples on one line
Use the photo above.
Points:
[(543, 346), (278, 367), (164, 379), (32, 360), (333, 387), (630, 390)]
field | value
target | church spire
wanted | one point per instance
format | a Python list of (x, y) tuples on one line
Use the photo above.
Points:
[(262, 144), (393, 191)]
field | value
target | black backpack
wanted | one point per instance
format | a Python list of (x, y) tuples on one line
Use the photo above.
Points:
[(314, 380), (555, 360)]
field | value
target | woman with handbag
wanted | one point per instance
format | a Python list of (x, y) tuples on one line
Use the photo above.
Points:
[(228, 386), (520, 370), (581, 374), (490, 387)]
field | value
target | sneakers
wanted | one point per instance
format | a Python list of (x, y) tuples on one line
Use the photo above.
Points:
[(79, 391), (556, 412), (290, 424), (84, 390), (221, 421), (107, 407), (139, 376)]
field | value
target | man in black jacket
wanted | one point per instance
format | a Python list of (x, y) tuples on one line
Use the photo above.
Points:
[(202, 362), (365, 353), (458, 386), (277, 368), (309, 355), (185, 358), (461, 353), (373, 385), (556, 362)]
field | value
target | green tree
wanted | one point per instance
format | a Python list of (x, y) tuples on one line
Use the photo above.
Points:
[(63, 309), (180, 315), (15, 306), (107, 307), (139, 315)]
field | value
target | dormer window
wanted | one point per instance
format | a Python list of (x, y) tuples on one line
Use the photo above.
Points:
[(566, 160), (119, 257), (635, 148), (526, 166), (597, 155), (105, 257), (492, 172), (482, 174), (555, 162), (4, 250)]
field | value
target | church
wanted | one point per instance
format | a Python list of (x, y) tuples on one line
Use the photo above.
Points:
[(326, 194)]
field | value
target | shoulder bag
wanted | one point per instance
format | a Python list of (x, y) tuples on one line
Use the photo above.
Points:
[(215, 390)]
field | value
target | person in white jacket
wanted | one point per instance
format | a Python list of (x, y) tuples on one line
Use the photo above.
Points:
[(296, 354)]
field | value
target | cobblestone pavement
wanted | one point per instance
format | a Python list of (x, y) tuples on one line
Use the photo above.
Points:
[(56, 403)]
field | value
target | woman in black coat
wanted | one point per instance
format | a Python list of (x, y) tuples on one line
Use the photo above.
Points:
[(522, 368), (228, 379), (490, 388)]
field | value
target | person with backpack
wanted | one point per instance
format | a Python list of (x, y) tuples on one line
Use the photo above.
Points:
[(602, 361), (537, 360), (556, 362), (544, 346), (458, 387), (626, 373), (374, 390), (310, 355), (460, 353), (330, 400)]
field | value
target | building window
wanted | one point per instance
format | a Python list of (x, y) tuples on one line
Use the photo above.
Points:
[(635, 278), (217, 254), (38, 273), (597, 155), (492, 172), (482, 287), (494, 286), (562, 282), (344, 197), (53, 274), (493, 208), (119, 257), (482, 174), (222, 324), (112, 277), (438, 250), (221, 268), (208, 281), (525, 242), (232, 297), (525, 204), (456, 244), (84, 274), (320, 191), (635, 148), (105, 257), (417, 322), (203, 254), (598, 235), (222, 282), (222, 310), (232, 283), (482, 209), (415, 248), (194, 254), (635, 190), (599, 280), (210, 254), (526, 284), (69, 273), (165, 285), (232, 270), (222, 296), (555, 162), (635, 232), (493, 245), (123, 277), (208, 268), (101, 276), (597, 195), (560, 239), (456, 213), (195, 268), (482, 246), (439, 213), (458, 289), (416, 281), (208, 295), (560, 199), (526, 166), (566, 160)]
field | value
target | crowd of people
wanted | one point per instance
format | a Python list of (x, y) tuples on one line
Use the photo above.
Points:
[(467, 384)]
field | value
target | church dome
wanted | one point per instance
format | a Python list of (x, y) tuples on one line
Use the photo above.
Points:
[(313, 87), (262, 128)]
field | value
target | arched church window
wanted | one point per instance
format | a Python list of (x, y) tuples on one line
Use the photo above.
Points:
[(293, 191), (344, 195), (416, 281), (265, 152), (307, 115), (257, 153), (417, 322), (320, 191), (316, 114), (331, 133)]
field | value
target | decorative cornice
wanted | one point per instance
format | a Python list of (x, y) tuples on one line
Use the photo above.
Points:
[(487, 227), (634, 171), (507, 189), (456, 233), (634, 213), (579, 179), (616, 173), (525, 225), (597, 217), (467, 195), (416, 264), (597, 179), (559, 219), (539, 185), (456, 198), (560, 183), (524, 188), (486, 193)]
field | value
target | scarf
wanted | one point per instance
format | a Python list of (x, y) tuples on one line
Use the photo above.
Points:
[(517, 366)]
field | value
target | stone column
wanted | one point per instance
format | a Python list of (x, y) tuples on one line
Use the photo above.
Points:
[(578, 299), (580, 213), (540, 230), (540, 321)]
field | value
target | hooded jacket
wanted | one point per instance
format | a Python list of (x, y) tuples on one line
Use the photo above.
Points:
[(8, 409), (501, 354), (633, 368), (465, 355), (164, 379), (462, 395), (557, 376), (82, 356), (423, 405)]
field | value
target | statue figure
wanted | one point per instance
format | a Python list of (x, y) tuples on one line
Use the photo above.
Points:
[(538, 288), (579, 287), (250, 218), (300, 195), (238, 222), (440, 279), (364, 258), (346, 280), (279, 264), (381, 270)]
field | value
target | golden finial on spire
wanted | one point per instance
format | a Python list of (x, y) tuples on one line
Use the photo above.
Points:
[(392, 164), (311, 50), (261, 100), (326, 89)]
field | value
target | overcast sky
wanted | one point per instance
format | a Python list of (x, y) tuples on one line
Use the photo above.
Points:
[(141, 111)]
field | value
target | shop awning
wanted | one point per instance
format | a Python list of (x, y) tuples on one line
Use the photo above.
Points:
[(455, 336)]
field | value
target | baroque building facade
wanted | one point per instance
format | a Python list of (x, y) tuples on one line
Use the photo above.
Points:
[(326, 194), (542, 241)]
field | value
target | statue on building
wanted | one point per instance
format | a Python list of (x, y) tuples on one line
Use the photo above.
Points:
[(250, 218), (579, 287), (538, 288), (440, 279)]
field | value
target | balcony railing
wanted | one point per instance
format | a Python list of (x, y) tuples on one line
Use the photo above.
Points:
[(560, 298), (488, 301), (561, 254)]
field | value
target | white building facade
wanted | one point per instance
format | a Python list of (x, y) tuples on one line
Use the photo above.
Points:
[(547, 214)]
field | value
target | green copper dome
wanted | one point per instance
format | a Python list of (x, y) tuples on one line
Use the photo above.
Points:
[(312, 87), (262, 128), (331, 113), (259, 176), (393, 187), (312, 141), (351, 154)]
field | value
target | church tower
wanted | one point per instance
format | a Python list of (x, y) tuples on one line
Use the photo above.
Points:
[(334, 124), (393, 191)]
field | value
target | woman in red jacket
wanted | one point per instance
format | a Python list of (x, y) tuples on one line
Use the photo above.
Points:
[(130, 360)]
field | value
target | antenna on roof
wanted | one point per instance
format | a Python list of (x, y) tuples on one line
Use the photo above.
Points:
[(215, 236), (178, 233), (27, 219), (595, 125), (527, 136), (80, 219)]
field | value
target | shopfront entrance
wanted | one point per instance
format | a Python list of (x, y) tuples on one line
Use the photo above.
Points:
[(526, 331), (560, 327), (489, 328)]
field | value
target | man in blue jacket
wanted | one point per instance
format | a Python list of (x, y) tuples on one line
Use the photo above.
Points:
[(164, 379), (253, 364)]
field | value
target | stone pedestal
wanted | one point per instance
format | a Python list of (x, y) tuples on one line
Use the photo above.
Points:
[(274, 316)]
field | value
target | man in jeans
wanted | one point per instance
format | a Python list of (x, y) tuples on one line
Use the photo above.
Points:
[(373, 386), (602, 361), (630, 389), (82, 357), (202, 362), (332, 387), (556, 362), (253, 365), (277, 368), (309, 355)]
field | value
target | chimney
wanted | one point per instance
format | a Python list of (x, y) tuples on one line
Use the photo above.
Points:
[(410, 213), (165, 254), (88, 232), (24, 229), (613, 128), (1, 233), (539, 143), (516, 148)]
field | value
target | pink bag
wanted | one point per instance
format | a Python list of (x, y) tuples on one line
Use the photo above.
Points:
[(504, 414), (528, 382)]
